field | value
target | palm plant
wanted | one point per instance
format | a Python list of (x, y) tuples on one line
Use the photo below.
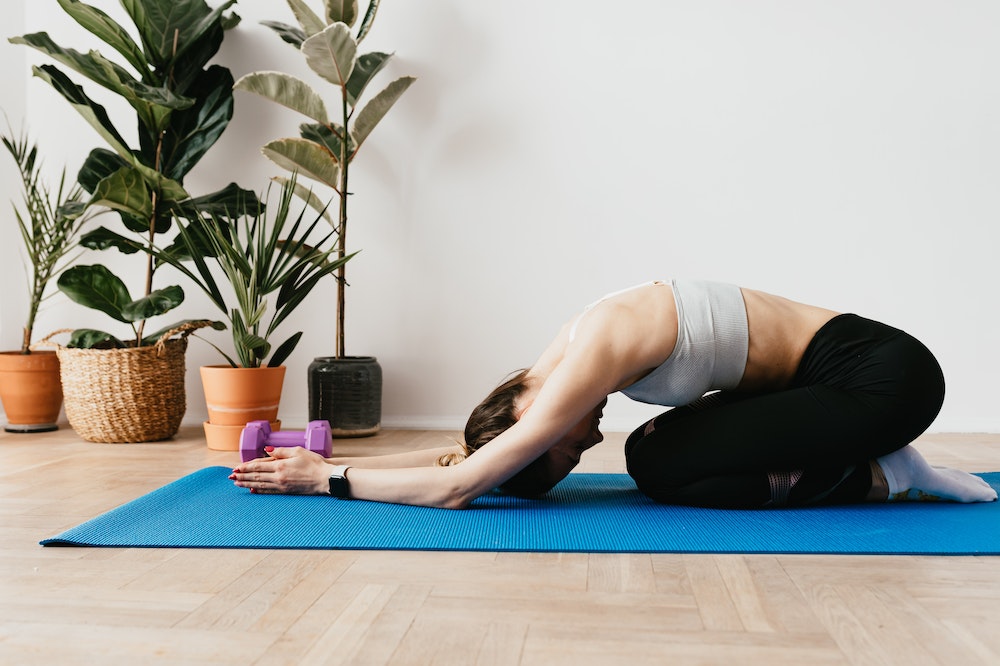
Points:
[(258, 258), (325, 148), (49, 222)]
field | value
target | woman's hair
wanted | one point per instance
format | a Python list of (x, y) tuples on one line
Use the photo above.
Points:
[(490, 418)]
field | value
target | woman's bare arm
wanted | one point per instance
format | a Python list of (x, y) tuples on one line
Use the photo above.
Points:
[(576, 386), (586, 372), (419, 458)]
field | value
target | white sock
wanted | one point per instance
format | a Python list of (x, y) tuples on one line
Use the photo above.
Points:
[(910, 478)]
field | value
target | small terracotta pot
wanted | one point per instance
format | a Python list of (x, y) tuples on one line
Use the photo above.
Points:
[(30, 390), (227, 437), (236, 396)]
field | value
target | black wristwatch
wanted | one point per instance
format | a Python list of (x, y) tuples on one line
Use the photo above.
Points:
[(338, 482)]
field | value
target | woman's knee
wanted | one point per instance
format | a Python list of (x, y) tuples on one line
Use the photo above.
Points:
[(651, 469)]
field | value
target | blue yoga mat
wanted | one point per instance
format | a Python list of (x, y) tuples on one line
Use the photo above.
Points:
[(600, 513)]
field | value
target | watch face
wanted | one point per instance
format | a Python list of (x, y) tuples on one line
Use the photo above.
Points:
[(338, 486)]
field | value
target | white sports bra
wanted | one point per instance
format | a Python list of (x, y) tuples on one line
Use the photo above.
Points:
[(712, 344)]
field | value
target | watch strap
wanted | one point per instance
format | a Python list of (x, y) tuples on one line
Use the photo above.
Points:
[(338, 481)]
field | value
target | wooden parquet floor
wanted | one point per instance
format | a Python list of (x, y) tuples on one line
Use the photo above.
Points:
[(187, 606)]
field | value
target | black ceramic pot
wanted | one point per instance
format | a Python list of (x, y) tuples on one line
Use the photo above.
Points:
[(347, 392)]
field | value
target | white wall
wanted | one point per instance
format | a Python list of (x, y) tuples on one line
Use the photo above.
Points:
[(13, 310), (839, 152)]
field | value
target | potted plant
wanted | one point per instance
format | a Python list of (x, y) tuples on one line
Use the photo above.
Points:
[(346, 391), (181, 106), (282, 259), (49, 222)]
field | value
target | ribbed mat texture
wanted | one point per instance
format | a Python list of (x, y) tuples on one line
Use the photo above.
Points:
[(599, 513)]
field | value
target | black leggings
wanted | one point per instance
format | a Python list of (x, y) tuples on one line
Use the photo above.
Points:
[(862, 390)]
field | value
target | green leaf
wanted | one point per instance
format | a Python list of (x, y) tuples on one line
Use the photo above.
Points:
[(284, 350), (230, 202), (200, 240), (310, 197), (295, 296), (92, 112), (328, 137), (365, 69), (331, 53), (152, 104), (193, 131), (189, 65), (230, 21), (89, 338), (286, 90), (169, 190), (157, 303), (100, 164), (72, 209), (253, 348), (344, 11), (255, 317), (159, 21), (366, 22), (288, 33), (125, 190), (308, 158), (193, 243), (97, 288), (107, 30), (152, 338), (102, 238), (194, 32), (307, 18), (376, 109)]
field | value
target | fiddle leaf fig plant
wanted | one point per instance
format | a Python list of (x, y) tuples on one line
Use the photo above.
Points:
[(181, 106), (326, 146), (49, 221)]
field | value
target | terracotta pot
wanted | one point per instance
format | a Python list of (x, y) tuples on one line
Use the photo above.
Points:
[(227, 437), (235, 396), (30, 390)]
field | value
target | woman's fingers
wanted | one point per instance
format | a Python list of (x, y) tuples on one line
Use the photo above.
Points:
[(289, 470)]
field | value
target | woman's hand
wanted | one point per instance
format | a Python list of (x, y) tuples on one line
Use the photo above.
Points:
[(290, 470)]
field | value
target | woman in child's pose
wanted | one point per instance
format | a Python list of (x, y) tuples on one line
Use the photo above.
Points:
[(776, 403)]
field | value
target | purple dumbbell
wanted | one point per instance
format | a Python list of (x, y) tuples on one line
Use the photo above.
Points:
[(257, 434)]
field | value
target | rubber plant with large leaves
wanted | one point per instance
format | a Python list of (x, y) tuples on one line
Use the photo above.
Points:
[(181, 105), (325, 148)]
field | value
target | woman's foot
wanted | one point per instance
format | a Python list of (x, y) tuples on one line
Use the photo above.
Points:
[(909, 477)]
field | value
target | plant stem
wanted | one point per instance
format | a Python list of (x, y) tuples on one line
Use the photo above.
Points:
[(151, 241), (342, 231)]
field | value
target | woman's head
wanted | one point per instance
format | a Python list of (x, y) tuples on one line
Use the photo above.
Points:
[(499, 411), (494, 415)]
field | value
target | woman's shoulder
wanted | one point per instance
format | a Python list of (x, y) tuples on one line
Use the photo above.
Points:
[(633, 331)]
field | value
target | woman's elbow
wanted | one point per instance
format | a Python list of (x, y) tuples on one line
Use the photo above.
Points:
[(455, 503), (456, 498), (457, 495)]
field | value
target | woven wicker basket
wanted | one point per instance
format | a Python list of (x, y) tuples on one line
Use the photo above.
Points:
[(126, 395)]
